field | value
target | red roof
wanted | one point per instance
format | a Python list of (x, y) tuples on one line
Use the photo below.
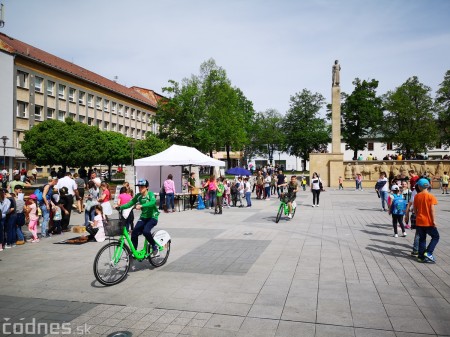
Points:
[(16, 47)]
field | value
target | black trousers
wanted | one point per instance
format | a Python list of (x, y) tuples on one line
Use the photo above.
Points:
[(316, 195)]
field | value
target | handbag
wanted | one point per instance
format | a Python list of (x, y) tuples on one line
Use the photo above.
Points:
[(320, 185)]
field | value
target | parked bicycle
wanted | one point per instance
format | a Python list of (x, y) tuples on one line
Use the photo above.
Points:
[(113, 260)]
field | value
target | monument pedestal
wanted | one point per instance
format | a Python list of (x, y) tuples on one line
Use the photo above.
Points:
[(328, 166)]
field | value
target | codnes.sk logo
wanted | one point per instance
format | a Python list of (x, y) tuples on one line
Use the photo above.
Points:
[(35, 328)]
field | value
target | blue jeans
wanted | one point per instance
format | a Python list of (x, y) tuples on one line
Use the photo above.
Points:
[(11, 229), (383, 197), (89, 215), (212, 198), (423, 231), (45, 220), (2, 226), (143, 226), (247, 198), (416, 242), (19, 223), (170, 201), (267, 190)]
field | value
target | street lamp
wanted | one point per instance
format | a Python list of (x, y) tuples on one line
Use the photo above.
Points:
[(5, 139)]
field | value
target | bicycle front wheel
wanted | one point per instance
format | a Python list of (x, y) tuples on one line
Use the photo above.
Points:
[(280, 212), (112, 263)]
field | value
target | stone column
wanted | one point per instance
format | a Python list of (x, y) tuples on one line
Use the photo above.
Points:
[(336, 119)]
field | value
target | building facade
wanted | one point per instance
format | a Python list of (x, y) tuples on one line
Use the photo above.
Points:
[(36, 86)]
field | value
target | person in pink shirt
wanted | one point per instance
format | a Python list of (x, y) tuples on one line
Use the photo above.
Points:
[(123, 198), (34, 218), (169, 187), (104, 199)]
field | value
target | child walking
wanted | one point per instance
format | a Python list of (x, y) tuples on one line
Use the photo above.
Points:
[(397, 209), (340, 181), (57, 218), (424, 203), (34, 218)]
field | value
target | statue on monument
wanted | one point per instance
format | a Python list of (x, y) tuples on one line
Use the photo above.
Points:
[(336, 77)]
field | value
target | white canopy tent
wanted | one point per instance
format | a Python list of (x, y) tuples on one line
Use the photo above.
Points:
[(156, 168)]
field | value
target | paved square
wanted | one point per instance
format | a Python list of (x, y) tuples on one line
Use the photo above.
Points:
[(335, 270)]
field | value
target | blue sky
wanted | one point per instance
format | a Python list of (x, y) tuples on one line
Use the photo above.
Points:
[(270, 49)]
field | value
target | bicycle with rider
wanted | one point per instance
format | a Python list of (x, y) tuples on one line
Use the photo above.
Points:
[(289, 196)]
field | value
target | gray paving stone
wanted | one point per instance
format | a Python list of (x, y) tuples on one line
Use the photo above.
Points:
[(334, 331), (295, 329), (225, 322)]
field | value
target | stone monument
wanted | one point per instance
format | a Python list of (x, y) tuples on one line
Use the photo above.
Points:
[(330, 165)]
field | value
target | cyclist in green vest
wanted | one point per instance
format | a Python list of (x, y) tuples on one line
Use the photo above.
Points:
[(145, 201)]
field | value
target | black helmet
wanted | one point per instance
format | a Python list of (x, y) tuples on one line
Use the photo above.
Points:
[(142, 182)]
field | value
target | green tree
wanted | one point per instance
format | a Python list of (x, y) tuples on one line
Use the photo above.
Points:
[(205, 111), (304, 130), (115, 149), (410, 119), (269, 134), (362, 114), (67, 143), (443, 106), (149, 146)]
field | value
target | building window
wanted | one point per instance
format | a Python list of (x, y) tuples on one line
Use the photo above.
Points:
[(113, 107), (389, 146), (105, 105), (120, 127), (370, 146), (72, 115), (113, 127), (50, 113), (62, 91), (22, 109), (127, 131), (38, 113), (126, 111), (81, 96), (132, 114), (132, 132), (98, 123), (50, 88), (98, 103), (143, 134), (61, 116), (22, 79), (120, 110), (90, 120), (71, 94), (38, 81), (90, 101), (105, 126), (81, 119)]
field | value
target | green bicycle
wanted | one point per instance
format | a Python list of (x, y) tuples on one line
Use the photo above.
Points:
[(113, 260), (284, 208)]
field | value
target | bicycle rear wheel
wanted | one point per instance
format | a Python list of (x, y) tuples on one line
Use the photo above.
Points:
[(106, 270), (163, 238), (280, 212)]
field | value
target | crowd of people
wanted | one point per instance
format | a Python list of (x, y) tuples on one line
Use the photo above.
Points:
[(405, 198)]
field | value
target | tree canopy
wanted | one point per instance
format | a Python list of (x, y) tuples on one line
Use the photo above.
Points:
[(305, 131), (443, 108), (362, 114), (205, 111), (410, 118)]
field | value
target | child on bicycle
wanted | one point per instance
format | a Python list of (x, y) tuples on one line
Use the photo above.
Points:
[(291, 194), (146, 202)]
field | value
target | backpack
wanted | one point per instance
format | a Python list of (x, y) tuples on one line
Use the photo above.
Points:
[(234, 189), (399, 206), (38, 194)]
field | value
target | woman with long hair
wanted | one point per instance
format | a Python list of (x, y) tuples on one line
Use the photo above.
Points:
[(315, 189)]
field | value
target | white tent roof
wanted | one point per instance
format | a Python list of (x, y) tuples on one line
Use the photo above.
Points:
[(178, 155)]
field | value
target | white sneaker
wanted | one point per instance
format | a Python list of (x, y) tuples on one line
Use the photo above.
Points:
[(395, 235), (404, 234), (313, 205), (290, 216), (317, 205)]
